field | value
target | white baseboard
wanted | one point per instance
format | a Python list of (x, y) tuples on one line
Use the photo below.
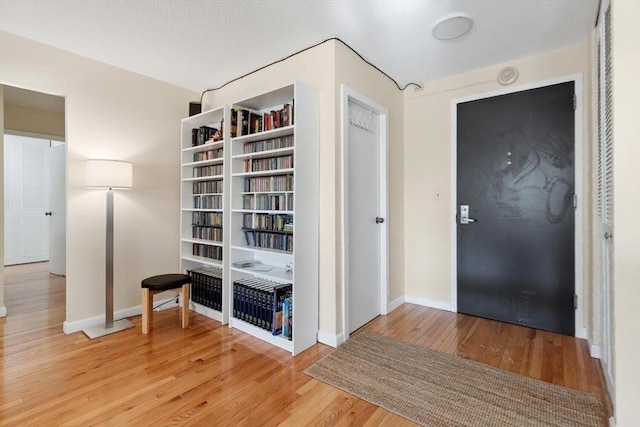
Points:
[(612, 422), (3, 311), (331, 340), (79, 325), (427, 302), (594, 351), (395, 304), (581, 333)]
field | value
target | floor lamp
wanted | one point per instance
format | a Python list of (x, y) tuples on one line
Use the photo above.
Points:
[(109, 175)]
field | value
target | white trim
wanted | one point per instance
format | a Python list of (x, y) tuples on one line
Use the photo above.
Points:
[(331, 340), (3, 311), (89, 322), (395, 303), (612, 422), (594, 351), (428, 302), (580, 328), (383, 113)]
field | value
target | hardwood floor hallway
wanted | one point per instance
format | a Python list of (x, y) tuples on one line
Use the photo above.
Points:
[(212, 375)]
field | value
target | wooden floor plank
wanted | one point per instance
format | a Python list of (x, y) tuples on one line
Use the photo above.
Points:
[(209, 374)]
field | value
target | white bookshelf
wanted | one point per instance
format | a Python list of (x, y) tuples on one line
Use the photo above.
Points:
[(212, 203), (299, 264)]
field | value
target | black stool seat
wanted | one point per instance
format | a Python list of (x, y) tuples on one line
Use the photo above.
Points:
[(165, 282)]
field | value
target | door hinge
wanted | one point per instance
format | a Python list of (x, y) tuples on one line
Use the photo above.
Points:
[(574, 102), (575, 301), (575, 201)]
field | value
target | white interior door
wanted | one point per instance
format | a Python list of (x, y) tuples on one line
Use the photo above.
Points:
[(57, 207), (26, 187), (604, 185), (363, 189)]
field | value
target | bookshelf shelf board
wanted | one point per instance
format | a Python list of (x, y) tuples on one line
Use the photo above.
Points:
[(209, 312), (206, 194), (204, 162), (274, 172), (264, 154), (201, 210), (259, 249), (203, 178), (204, 242), (267, 192), (263, 211), (273, 133), (277, 340), (290, 233), (279, 274), (202, 260), (204, 147)]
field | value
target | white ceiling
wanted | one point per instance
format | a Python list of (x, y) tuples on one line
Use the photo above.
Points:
[(199, 44)]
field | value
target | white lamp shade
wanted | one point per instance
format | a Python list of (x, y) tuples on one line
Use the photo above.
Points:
[(110, 174)]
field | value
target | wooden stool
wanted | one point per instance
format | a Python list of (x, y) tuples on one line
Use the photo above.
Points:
[(164, 282)]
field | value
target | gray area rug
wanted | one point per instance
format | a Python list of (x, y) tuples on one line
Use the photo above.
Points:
[(437, 389)]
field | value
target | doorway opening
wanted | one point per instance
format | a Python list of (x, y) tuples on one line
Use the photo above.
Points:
[(34, 187)]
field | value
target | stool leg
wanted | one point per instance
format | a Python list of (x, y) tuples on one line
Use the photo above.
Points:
[(147, 310), (185, 306)]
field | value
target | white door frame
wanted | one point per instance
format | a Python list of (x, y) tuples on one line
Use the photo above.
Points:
[(348, 94), (580, 329)]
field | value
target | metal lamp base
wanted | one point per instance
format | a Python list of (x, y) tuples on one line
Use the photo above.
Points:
[(100, 331)]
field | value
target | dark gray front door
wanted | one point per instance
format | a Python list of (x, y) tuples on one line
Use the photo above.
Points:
[(515, 172)]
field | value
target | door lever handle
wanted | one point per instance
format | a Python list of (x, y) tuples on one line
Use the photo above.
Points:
[(379, 220), (470, 220), (47, 213)]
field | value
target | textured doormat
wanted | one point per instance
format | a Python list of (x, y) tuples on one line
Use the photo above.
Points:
[(437, 389)]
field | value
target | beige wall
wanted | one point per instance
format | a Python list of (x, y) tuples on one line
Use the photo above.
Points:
[(626, 240), (110, 113), (325, 68), (428, 169), (33, 120)]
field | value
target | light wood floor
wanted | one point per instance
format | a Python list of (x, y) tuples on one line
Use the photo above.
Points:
[(212, 375)]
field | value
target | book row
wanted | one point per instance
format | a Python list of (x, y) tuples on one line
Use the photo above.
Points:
[(216, 153), (204, 134), (207, 233), (208, 187), (269, 240), (268, 202), (268, 183), (268, 164), (207, 202), (262, 303), (268, 144), (206, 287), (206, 251), (211, 219), (209, 170), (268, 222), (246, 122)]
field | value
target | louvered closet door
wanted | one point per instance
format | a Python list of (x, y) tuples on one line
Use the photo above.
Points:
[(604, 182)]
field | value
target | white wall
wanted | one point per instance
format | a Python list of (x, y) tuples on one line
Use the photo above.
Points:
[(110, 113), (626, 218), (427, 165)]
